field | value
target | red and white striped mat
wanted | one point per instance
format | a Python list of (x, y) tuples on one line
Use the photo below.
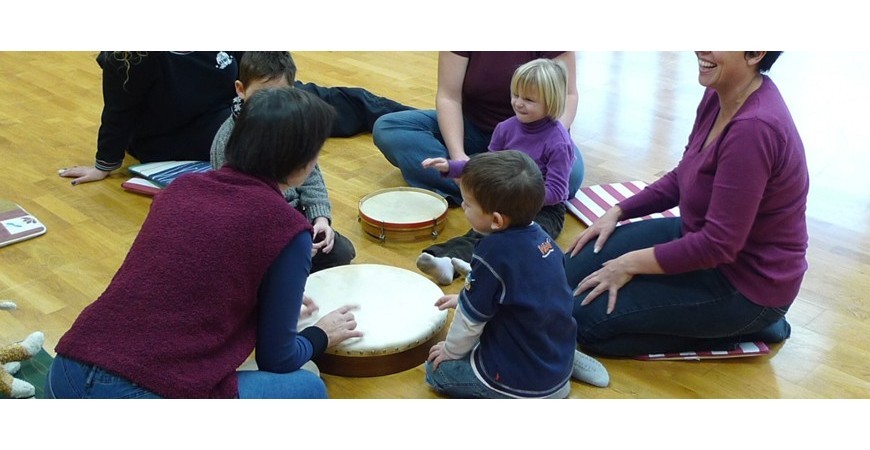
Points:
[(591, 202), (741, 350)]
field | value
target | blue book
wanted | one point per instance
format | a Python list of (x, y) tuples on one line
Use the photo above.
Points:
[(162, 173)]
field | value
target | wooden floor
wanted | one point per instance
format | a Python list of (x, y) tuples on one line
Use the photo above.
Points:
[(635, 113)]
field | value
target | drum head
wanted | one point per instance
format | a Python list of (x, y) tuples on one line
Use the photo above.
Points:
[(396, 307)]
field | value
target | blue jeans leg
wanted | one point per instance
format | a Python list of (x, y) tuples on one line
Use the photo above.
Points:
[(456, 379), (298, 384), (68, 378), (698, 310), (407, 138), (578, 171)]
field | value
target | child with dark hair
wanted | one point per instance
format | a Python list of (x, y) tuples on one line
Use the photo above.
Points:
[(258, 70), (512, 335)]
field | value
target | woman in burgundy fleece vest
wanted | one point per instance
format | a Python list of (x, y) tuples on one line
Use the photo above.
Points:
[(216, 272)]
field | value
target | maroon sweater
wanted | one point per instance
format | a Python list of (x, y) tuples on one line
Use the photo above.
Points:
[(742, 199), (180, 315), (486, 89)]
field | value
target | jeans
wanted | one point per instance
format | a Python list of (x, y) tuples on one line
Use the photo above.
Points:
[(297, 384), (691, 311), (68, 378), (356, 108), (407, 138), (456, 379)]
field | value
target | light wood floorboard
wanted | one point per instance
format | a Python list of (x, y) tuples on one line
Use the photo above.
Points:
[(635, 113)]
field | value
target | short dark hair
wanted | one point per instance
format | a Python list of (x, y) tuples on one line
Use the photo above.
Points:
[(508, 182), (279, 131), (766, 62), (255, 66)]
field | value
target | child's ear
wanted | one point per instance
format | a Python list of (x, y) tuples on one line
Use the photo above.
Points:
[(240, 89), (499, 221)]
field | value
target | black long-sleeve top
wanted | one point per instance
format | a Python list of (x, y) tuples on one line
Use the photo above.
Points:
[(165, 106)]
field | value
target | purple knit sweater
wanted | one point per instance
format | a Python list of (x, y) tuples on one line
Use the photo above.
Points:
[(180, 315), (546, 141), (742, 200)]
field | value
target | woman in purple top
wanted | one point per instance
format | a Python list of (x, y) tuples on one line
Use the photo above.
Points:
[(728, 269), (473, 97)]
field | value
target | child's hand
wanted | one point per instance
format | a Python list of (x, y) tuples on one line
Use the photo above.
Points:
[(437, 355), (436, 163), (324, 236), (447, 301)]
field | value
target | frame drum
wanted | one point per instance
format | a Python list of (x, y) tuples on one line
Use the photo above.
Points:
[(396, 313), (403, 214)]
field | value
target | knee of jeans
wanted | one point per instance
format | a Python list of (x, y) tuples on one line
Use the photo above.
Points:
[(382, 128)]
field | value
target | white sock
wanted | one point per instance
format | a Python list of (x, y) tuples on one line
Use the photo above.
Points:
[(588, 370), (460, 266), (33, 343), (438, 268)]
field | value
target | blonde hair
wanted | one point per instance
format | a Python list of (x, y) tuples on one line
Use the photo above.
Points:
[(547, 77)]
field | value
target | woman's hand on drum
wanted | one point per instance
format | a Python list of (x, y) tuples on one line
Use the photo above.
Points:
[(439, 164), (324, 236), (82, 174), (308, 307), (601, 228), (437, 354), (447, 301), (339, 325)]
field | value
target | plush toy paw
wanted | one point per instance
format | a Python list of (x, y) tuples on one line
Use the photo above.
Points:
[(6, 304), (22, 389), (10, 356), (12, 367), (33, 343)]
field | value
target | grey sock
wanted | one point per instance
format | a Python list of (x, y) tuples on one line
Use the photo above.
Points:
[(460, 266), (588, 370)]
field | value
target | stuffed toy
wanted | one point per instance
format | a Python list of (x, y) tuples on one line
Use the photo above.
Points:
[(10, 361)]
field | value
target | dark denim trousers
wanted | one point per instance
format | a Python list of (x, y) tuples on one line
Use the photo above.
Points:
[(692, 311), (356, 108)]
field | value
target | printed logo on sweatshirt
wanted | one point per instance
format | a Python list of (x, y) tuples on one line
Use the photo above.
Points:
[(468, 281), (223, 60), (546, 248)]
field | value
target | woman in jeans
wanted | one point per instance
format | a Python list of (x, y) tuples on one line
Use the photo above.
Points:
[(217, 271), (474, 95), (727, 270)]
